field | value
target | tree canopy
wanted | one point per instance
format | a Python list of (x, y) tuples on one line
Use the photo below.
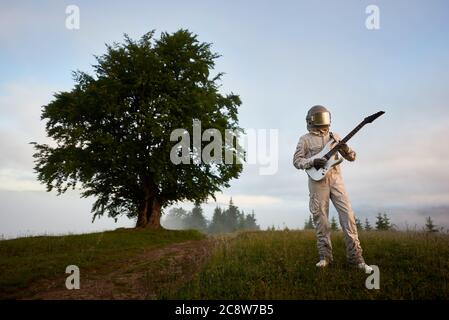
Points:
[(112, 130)]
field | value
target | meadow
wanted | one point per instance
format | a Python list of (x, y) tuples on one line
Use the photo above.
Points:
[(281, 265), (165, 264), (26, 260)]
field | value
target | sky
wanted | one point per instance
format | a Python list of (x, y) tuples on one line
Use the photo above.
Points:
[(281, 57)]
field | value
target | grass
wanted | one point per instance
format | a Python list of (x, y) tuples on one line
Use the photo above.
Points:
[(281, 265), (246, 265), (25, 260)]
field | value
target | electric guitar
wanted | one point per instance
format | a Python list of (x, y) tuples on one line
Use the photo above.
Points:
[(331, 148)]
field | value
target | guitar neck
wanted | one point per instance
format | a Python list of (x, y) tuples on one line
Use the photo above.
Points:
[(368, 119), (345, 139), (353, 132)]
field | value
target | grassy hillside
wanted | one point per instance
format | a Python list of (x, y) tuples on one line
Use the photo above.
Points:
[(281, 265), (25, 260), (142, 264)]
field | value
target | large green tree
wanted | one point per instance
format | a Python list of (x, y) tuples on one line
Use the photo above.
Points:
[(112, 130)]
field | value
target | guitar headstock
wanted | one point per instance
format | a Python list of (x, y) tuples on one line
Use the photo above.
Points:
[(373, 117)]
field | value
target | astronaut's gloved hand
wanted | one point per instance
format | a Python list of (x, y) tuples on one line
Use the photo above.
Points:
[(343, 147), (319, 163)]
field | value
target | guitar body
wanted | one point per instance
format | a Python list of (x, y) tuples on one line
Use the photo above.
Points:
[(319, 174)]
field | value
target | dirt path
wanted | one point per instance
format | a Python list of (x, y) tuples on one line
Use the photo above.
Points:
[(145, 276)]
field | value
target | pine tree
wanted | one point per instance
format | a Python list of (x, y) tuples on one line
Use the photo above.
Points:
[(231, 217), (217, 223), (176, 219), (359, 225), (308, 224), (334, 224), (241, 220), (196, 218), (368, 225), (250, 222), (387, 224), (430, 227), (380, 222), (383, 222)]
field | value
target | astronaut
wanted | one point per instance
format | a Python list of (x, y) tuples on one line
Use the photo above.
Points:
[(331, 187)]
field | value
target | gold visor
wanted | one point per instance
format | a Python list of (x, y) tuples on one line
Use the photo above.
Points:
[(321, 119)]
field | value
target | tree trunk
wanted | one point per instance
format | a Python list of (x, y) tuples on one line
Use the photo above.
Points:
[(142, 217), (149, 215), (154, 217)]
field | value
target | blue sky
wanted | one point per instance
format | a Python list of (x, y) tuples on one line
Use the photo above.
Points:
[(281, 57)]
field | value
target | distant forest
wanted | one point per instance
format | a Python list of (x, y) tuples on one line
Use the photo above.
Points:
[(382, 224), (223, 220)]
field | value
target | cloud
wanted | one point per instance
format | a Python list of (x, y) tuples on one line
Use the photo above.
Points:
[(408, 169), (402, 158), (28, 213), (18, 180), (20, 110), (247, 200)]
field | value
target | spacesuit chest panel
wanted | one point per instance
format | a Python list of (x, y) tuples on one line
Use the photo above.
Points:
[(316, 143)]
